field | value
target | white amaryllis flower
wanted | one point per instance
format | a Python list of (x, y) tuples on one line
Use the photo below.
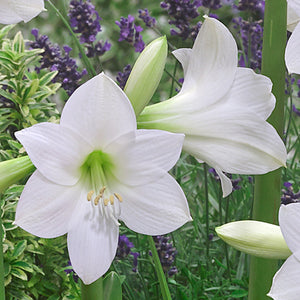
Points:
[(94, 169), (285, 284), (15, 11), (221, 109), (292, 56)]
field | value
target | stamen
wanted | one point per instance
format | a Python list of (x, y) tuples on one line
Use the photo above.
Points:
[(96, 201), (111, 199), (102, 191), (105, 201), (89, 195), (118, 196)]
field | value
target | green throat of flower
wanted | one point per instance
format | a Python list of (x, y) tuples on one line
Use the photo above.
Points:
[(96, 171)]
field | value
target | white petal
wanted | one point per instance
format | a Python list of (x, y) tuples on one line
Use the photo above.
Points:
[(45, 208), (292, 57), (14, 11), (212, 64), (99, 111), (156, 208), (57, 152), (183, 55), (92, 242), (146, 158), (289, 221), (225, 182), (285, 284), (236, 143), (293, 15), (252, 92)]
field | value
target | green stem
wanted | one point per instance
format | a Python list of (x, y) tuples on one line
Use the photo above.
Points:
[(267, 187), (93, 291), (159, 271), (85, 59)]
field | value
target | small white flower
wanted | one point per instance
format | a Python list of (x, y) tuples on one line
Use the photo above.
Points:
[(15, 11), (285, 284), (292, 56), (221, 109), (94, 169)]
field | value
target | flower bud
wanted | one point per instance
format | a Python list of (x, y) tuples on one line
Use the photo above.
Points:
[(146, 74), (256, 238), (13, 170)]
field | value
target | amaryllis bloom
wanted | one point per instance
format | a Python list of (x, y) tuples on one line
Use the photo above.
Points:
[(15, 11), (221, 109), (285, 284), (292, 56), (94, 169)]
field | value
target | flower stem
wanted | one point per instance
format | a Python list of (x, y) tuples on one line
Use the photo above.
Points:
[(267, 187), (85, 59), (93, 291), (159, 271)]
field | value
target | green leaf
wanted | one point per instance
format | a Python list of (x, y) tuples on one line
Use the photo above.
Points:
[(239, 294), (18, 43), (112, 288), (22, 265), (19, 248), (7, 268), (19, 273), (48, 77), (5, 30)]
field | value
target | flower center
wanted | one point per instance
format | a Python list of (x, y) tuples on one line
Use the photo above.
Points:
[(97, 170)]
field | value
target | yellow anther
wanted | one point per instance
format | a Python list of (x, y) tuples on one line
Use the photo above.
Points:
[(89, 195), (96, 201), (105, 201), (111, 199), (102, 191), (118, 196)]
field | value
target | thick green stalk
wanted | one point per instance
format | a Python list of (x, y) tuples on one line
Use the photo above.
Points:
[(159, 271), (267, 187), (93, 291), (85, 59)]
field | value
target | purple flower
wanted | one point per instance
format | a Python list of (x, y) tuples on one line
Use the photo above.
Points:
[(288, 195), (124, 249), (212, 4), (167, 253), (123, 76), (182, 13), (251, 34), (98, 49), (53, 60), (254, 6), (85, 20), (145, 16), (131, 33)]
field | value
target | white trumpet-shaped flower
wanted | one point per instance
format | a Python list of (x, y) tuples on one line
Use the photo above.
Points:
[(292, 56), (95, 168), (221, 109), (285, 284), (15, 11)]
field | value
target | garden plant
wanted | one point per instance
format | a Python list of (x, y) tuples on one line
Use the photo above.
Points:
[(150, 150)]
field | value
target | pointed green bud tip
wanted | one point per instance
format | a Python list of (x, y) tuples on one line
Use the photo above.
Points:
[(13, 170), (256, 238), (146, 74)]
